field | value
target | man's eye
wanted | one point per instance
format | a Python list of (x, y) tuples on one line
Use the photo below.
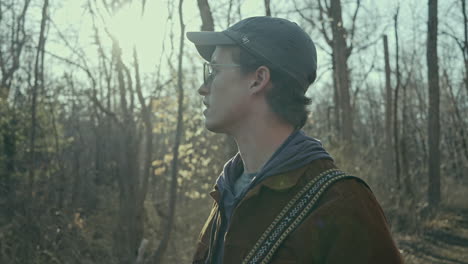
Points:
[(209, 77), (213, 71)]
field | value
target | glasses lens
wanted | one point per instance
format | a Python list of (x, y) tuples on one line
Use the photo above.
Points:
[(207, 71)]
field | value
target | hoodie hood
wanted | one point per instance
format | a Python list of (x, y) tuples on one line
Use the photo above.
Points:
[(295, 152)]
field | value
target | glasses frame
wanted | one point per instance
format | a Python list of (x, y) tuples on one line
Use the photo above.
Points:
[(208, 72)]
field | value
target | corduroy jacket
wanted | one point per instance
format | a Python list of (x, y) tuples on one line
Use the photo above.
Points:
[(346, 226)]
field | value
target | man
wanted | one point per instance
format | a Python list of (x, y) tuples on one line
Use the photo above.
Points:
[(281, 198)]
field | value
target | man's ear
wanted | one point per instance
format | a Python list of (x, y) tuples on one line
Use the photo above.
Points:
[(261, 80)]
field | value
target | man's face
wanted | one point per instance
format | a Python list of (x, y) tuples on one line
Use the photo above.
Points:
[(226, 94)]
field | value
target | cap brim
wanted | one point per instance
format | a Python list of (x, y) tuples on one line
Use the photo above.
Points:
[(206, 42)]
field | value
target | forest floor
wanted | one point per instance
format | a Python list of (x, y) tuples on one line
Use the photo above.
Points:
[(443, 240)]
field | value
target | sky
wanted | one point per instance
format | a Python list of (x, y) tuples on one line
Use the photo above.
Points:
[(151, 32), (146, 32)]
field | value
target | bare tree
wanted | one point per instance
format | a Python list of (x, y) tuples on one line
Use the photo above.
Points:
[(434, 101), (462, 43), (169, 222), (460, 146), (267, 8), (396, 132), (10, 58), (206, 16), (330, 16), (388, 110), (10, 62), (341, 54), (131, 171), (38, 84)]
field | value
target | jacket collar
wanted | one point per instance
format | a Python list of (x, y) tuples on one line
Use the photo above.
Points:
[(280, 182), (216, 194)]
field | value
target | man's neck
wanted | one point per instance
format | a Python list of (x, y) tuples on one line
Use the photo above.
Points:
[(257, 145)]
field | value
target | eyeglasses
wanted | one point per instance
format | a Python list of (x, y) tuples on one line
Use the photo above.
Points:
[(209, 72)]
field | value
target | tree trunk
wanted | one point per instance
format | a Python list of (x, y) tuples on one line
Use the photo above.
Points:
[(8, 184), (11, 63), (206, 16), (158, 255), (129, 229), (434, 123), (388, 113), (148, 134), (10, 127), (336, 100), (407, 194), (38, 84), (340, 57), (459, 124), (464, 45), (267, 8), (395, 107)]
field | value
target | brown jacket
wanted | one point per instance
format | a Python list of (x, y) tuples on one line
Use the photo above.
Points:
[(347, 225)]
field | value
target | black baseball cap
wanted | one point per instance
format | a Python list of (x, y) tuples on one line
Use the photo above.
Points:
[(279, 42)]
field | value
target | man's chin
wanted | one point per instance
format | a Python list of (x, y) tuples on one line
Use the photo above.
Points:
[(213, 127)]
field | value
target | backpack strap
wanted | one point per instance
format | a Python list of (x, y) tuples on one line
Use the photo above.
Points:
[(292, 216)]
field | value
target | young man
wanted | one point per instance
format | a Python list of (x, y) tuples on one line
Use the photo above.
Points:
[(281, 198)]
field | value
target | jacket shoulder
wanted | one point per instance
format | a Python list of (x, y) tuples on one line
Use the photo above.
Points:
[(347, 225)]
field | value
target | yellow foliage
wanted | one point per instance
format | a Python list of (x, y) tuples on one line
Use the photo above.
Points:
[(167, 158), (188, 135), (206, 161), (159, 171), (185, 147), (158, 127), (193, 194), (162, 103), (157, 163), (185, 174), (78, 221), (155, 104), (199, 131)]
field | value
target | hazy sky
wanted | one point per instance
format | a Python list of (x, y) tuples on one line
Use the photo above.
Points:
[(148, 31)]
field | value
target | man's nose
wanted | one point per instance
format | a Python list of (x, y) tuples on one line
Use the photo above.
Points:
[(203, 89)]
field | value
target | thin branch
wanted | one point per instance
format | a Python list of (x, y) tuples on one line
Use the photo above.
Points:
[(229, 13), (353, 24), (322, 22), (16, 48), (361, 48), (465, 24), (327, 7), (457, 40), (93, 98), (314, 25), (128, 76), (71, 62)]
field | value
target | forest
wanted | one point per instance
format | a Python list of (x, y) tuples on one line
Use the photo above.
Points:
[(104, 156)]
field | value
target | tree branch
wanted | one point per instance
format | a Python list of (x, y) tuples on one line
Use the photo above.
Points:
[(353, 25)]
